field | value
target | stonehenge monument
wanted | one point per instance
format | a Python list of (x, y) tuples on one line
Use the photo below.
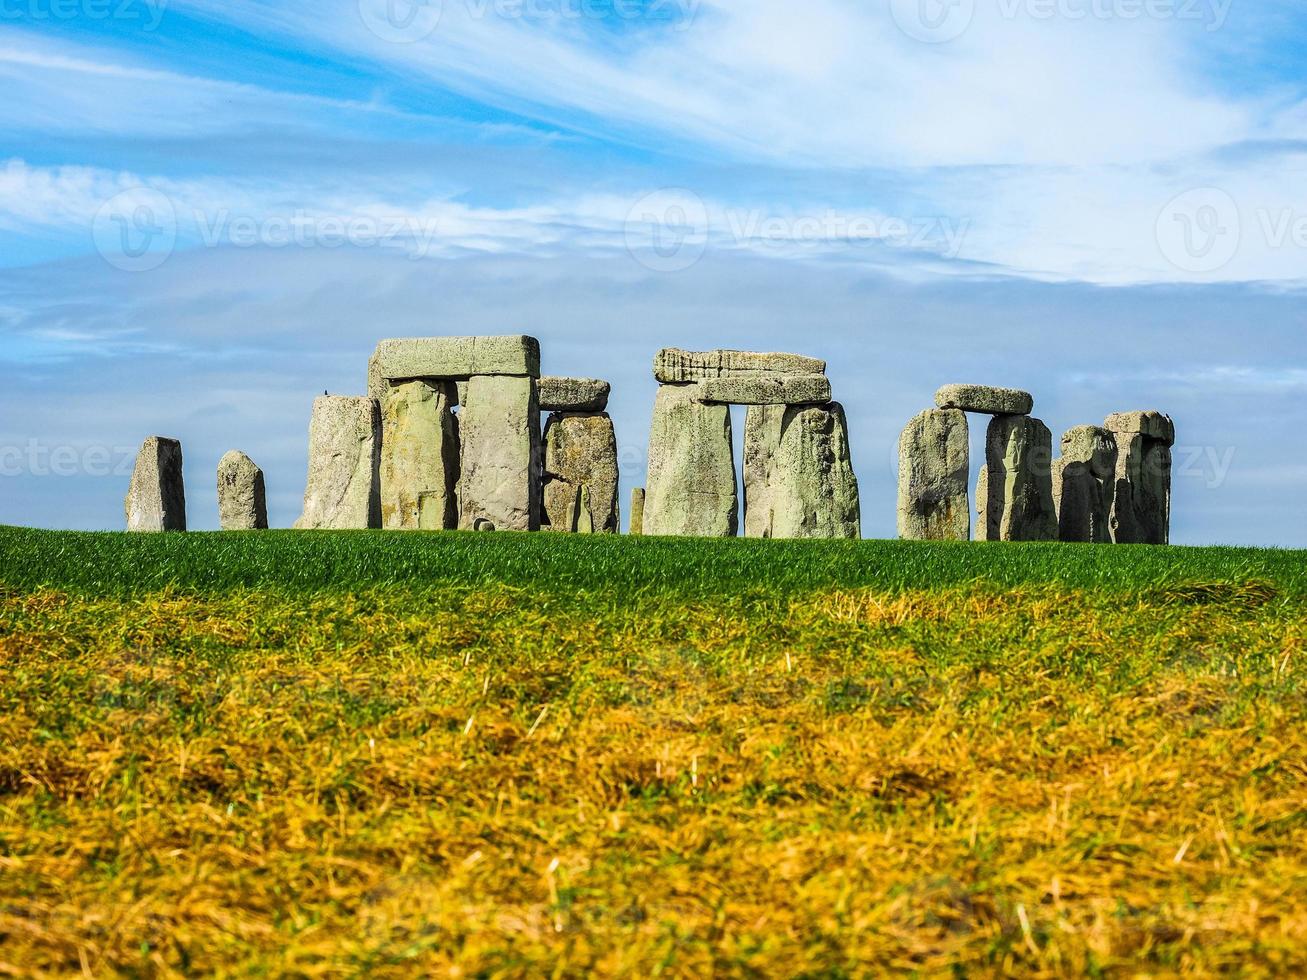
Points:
[(419, 456), (1141, 507), (799, 480), (450, 437), (637, 511), (242, 498), (798, 474), (1019, 480), (500, 428), (156, 499), (691, 488), (343, 490), (1083, 488), (1111, 484), (580, 458), (934, 457)]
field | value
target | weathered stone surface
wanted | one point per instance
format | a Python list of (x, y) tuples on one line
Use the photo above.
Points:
[(934, 465), (1141, 506), (419, 456), (451, 358), (798, 474), (982, 505), (985, 400), (500, 432), (156, 499), (673, 366), (637, 511), (573, 395), (580, 474), (242, 497), (691, 490), (766, 389), (1083, 484), (343, 490), (1151, 425), (1019, 461)]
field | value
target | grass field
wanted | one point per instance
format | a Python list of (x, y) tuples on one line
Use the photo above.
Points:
[(500, 755)]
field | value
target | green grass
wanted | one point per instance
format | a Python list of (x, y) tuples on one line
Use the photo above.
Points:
[(501, 755), (117, 564)]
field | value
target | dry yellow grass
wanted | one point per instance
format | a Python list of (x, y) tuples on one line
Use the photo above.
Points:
[(492, 782)]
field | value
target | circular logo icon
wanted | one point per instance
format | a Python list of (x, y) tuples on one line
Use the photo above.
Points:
[(401, 21), (933, 21), (667, 231), (1200, 230), (136, 230)]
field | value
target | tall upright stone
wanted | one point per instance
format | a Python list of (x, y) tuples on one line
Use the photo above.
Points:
[(934, 465), (499, 428), (982, 505), (691, 489), (419, 456), (1141, 509), (1019, 457), (1084, 484), (242, 496), (798, 473), (637, 511), (580, 474), (343, 491), (156, 498)]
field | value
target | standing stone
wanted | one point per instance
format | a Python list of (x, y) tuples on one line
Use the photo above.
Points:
[(637, 511), (1083, 484), (580, 474), (343, 490), (499, 426), (982, 505), (419, 456), (156, 499), (1141, 509), (691, 489), (242, 498), (1019, 457), (934, 464), (798, 474)]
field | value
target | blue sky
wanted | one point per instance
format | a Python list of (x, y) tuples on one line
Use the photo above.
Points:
[(210, 212)]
